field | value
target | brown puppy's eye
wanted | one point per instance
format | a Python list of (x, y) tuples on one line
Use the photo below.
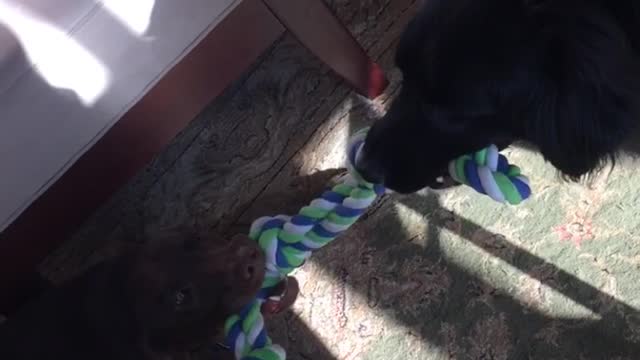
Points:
[(250, 270)]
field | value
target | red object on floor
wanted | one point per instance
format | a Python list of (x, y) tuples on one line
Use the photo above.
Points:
[(377, 81)]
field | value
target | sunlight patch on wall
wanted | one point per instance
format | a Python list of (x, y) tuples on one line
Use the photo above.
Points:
[(136, 15), (60, 60)]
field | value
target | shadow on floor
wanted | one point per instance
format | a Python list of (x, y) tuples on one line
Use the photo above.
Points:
[(468, 316)]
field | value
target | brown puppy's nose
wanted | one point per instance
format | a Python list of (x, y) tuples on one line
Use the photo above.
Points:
[(250, 260)]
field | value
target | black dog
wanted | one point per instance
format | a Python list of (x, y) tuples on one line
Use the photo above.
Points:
[(563, 75), (159, 303)]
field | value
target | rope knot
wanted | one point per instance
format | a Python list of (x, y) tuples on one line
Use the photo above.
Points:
[(488, 172)]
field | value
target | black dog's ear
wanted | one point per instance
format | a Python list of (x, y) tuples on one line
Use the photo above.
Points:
[(584, 100)]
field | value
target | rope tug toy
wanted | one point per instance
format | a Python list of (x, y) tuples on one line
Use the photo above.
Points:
[(289, 241), (488, 172)]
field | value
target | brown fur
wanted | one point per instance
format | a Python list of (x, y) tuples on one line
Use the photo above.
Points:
[(161, 302)]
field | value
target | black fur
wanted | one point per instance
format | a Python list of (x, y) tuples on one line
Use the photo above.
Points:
[(562, 75)]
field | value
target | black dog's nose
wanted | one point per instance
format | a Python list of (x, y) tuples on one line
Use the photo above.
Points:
[(369, 168)]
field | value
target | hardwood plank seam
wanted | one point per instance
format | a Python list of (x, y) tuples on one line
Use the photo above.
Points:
[(293, 155)]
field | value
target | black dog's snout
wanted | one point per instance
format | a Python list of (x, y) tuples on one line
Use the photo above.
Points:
[(369, 168)]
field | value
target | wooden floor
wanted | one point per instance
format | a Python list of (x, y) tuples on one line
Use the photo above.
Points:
[(286, 118)]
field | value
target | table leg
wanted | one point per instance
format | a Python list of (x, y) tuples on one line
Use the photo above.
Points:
[(318, 29)]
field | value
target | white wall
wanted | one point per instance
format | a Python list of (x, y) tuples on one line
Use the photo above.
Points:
[(69, 69)]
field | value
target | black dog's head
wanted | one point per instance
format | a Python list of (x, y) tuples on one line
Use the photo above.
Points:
[(559, 74), (184, 290)]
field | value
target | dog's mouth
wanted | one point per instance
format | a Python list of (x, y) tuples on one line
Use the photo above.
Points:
[(371, 169), (441, 182)]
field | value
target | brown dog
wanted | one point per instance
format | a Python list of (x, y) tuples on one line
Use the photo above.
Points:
[(161, 302)]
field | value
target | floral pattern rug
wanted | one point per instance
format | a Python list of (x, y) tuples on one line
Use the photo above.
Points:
[(453, 275)]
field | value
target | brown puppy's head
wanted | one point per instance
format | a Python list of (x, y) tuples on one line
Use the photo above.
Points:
[(184, 290)]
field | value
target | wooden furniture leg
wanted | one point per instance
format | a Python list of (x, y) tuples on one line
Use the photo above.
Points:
[(318, 29)]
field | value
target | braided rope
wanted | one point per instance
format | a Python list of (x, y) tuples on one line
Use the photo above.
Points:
[(289, 241), (488, 172)]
